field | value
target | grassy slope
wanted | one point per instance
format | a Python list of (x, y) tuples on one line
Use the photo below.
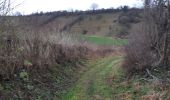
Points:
[(104, 24), (100, 24), (99, 40), (95, 24)]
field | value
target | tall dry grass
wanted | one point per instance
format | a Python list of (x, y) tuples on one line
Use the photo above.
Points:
[(35, 50)]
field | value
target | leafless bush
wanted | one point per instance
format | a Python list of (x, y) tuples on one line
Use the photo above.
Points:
[(138, 52), (149, 47)]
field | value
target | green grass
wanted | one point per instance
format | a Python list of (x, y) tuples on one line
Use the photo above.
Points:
[(94, 84), (91, 83), (99, 40)]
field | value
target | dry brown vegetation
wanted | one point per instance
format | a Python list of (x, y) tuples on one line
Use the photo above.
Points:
[(37, 58), (149, 45), (36, 51)]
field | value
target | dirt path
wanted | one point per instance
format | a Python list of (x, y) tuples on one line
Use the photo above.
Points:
[(94, 83)]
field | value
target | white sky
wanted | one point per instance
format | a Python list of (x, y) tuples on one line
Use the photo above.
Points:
[(30, 6)]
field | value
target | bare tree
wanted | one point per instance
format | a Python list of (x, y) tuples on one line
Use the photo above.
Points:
[(17, 13), (5, 7), (4, 10), (157, 14), (94, 6)]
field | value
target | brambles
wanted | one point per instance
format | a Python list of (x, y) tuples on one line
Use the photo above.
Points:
[(24, 75)]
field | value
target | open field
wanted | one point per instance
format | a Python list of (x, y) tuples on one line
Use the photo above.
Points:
[(99, 40)]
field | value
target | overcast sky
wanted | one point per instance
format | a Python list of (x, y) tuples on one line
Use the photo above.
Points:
[(30, 6)]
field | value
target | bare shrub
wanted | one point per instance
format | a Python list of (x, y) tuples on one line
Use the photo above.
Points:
[(149, 45), (138, 52)]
